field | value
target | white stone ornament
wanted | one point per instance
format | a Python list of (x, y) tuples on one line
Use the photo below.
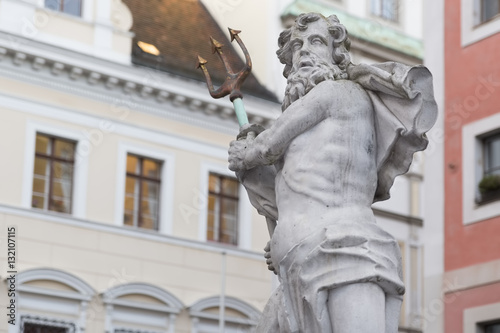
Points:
[(345, 133)]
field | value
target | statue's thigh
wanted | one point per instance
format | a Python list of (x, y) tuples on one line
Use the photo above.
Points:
[(357, 308)]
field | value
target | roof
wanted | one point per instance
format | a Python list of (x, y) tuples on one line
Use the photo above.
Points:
[(180, 30)]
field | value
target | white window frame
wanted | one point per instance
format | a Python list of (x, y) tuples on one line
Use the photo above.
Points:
[(472, 157), (472, 29), (480, 314), (79, 186), (167, 179), (244, 206)]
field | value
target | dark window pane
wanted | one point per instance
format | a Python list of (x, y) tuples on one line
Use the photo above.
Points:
[(36, 328), (42, 144), (60, 205), (148, 223), (213, 183), (130, 203), (492, 328), (38, 201), (132, 164), (39, 186), (62, 171), (53, 179), (132, 186), (41, 166), (490, 8), (64, 149), (53, 4), (61, 188), (222, 210), (150, 190), (142, 197), (151, 169), (387, 9), (128, 218), (492, 154), (230, 187), (73, 7)]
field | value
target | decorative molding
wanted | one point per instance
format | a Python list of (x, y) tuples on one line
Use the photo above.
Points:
[(478, 315), (142, 88), (48, 216), (81, 287), (198, 308), (173, 304), (172, 307), (472, 276)]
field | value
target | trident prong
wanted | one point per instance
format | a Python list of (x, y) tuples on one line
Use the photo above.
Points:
[(233, 82)]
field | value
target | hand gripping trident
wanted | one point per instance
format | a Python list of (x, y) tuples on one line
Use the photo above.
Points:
[(231, 85)]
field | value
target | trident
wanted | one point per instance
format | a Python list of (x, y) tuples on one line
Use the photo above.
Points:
[(231, 85)]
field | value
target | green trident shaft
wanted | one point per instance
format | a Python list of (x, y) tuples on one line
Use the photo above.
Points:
[(232, 84)]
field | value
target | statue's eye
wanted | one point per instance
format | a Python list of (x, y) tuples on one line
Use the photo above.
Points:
[(317, 41), (296, 46)]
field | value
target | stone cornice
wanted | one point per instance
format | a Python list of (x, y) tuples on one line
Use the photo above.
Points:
[(145, 87)]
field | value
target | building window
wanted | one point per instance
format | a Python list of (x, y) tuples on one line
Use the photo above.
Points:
[(386, 9), (489, 9), (222, 218), (53, 173), (142, 192), (491, 327), (36, 328), (492, 155), (489, 186), (71, 7)]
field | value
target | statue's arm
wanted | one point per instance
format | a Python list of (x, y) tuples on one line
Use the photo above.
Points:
[(299, 117)]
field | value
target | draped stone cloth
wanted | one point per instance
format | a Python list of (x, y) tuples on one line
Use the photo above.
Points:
[(350, 250)]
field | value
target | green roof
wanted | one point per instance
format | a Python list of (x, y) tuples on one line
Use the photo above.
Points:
[(360, 28)]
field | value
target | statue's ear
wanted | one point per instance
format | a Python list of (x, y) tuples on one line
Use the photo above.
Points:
[(339, 34)]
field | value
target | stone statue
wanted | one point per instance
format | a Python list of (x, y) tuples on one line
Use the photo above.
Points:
[(345, 133)]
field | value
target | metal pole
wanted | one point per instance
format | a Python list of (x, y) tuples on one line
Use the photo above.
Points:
[(222, 293)]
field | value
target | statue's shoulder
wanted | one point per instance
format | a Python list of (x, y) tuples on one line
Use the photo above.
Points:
[(343, 90)]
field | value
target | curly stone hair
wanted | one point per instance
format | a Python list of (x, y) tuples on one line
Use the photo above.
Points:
[(341, 42)]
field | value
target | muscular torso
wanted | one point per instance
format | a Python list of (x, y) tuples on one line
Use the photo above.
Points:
[(327, 173)]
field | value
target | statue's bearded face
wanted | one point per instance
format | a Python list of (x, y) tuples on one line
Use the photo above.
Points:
[(312, 60), (310, 46)]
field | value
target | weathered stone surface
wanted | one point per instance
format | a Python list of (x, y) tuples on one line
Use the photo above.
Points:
[(345, 133)]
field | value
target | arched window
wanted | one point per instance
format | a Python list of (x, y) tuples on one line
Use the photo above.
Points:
[(140, 307), (239, 317), (52, 299)]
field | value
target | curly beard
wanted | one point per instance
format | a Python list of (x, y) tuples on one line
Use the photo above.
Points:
[(299, 83)]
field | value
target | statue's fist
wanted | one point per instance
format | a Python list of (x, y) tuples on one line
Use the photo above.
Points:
[(237, 152), (269, 261)]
